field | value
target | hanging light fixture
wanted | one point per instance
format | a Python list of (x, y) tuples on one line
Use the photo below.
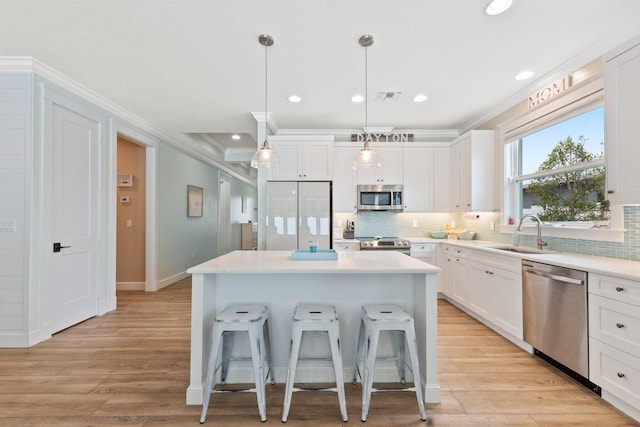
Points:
[(265, 156), (366, 158)]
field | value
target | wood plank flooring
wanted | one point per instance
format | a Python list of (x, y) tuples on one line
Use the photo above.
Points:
[(131, 367)]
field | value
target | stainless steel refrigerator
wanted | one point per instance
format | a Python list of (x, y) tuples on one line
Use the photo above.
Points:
[(298, 212)]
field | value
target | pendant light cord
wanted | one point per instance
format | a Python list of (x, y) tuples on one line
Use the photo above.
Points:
[(366, 95), (266, 143)]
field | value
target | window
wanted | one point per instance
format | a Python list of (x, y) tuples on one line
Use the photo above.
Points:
[(530, 138), (557, 170)]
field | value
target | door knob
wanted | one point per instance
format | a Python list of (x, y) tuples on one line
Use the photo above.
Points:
[(57, 246)]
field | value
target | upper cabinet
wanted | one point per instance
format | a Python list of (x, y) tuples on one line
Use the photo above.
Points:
[(345, 179), (472, 172), (390, 171), (418, 177), (303, 159), (622, 127), (441, 183)]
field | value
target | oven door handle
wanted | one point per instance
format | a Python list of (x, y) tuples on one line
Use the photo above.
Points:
[(556, 277)]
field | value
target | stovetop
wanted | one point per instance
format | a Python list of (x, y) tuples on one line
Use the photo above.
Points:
[(382, 242)]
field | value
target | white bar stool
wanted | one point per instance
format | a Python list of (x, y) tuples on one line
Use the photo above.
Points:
[(253, 319), (315, 318), (386, 317)]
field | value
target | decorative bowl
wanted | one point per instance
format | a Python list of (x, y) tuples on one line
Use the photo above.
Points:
[(467, 235), (438, 234)]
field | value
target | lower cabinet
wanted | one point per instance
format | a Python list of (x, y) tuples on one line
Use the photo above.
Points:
[(460, 283), (614, 336), (489, 286)]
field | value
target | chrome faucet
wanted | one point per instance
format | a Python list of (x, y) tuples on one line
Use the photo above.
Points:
[(539, 241)]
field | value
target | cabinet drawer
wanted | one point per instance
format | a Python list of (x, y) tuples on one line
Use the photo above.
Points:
[(423, 250), (346, 247), (613, 287), (615, 371), (454, 251), (615, 323)]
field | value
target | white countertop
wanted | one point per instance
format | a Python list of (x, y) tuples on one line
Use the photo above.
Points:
[(273, 262), (594, 264)]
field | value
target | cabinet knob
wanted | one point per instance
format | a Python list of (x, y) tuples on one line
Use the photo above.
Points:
[(620, 375), (619, 289), (619, 325), (610, 191)]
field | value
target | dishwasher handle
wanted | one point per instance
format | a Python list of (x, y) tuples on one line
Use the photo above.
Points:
[(556, 277)]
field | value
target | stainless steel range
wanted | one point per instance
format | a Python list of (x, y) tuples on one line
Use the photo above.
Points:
[(385, 243)]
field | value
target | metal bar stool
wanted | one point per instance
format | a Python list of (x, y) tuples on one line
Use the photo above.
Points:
[(253, 319), (386, 317), (322, 318)]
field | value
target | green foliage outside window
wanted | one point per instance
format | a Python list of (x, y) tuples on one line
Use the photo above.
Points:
[(570, 196)]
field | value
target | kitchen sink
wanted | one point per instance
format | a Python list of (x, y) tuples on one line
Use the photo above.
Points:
[(520, 250)]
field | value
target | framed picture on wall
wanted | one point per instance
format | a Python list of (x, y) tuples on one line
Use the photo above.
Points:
[(194, 201)]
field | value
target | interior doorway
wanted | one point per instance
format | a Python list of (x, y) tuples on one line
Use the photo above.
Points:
[(131, 201)]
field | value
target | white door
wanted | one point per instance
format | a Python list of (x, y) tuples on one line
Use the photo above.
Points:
[(75, 147)]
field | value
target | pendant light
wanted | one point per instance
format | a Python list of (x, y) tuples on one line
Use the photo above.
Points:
[(366, 158), (265, 156)]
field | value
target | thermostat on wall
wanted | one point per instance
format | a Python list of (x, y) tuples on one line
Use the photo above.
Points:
[(125, 180)]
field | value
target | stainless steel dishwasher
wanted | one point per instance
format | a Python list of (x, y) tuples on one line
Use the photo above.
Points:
[(555, 315)]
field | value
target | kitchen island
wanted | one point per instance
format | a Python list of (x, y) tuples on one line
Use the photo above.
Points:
[(354, 279)]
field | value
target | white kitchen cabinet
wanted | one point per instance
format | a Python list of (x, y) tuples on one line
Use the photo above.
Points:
[(496, 291), (472, 172), (614, 336), (481, 289), (390, 170), (506, 299), (622, 127), (303, 160), (458, 275), (441, 183), (426, 252), (418, 179), (345, 180), (341, 246), (444, 261), (485, 284)]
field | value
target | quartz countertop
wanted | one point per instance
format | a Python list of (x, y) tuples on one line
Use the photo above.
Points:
[(626, 269), (273, 262)]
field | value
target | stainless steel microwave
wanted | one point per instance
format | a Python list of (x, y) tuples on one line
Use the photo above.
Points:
[(380, 198)]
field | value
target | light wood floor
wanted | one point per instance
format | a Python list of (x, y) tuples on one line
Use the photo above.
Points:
[(131, 367)]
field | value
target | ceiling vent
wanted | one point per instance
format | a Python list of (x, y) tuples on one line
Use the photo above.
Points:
[(388, 97)]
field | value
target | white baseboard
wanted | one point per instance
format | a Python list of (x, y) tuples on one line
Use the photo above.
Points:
[(170, 280), (130, 286)]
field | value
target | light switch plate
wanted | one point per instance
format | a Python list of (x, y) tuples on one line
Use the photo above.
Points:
[(7, 225)]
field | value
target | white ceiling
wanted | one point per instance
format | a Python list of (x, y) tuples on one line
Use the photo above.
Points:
[(197, 67)]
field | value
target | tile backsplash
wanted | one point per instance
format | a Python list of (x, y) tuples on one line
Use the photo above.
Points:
[(419, 225)]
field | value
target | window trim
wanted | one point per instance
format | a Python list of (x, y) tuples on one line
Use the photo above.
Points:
[(579, 98)]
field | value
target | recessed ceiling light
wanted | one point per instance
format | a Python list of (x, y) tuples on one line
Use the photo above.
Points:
[(496, 7), (294, 98), (420, 98), (235, 136), (357, 98), (524, 75)]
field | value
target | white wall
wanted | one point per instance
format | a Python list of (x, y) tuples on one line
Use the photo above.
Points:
[(15, 118)]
